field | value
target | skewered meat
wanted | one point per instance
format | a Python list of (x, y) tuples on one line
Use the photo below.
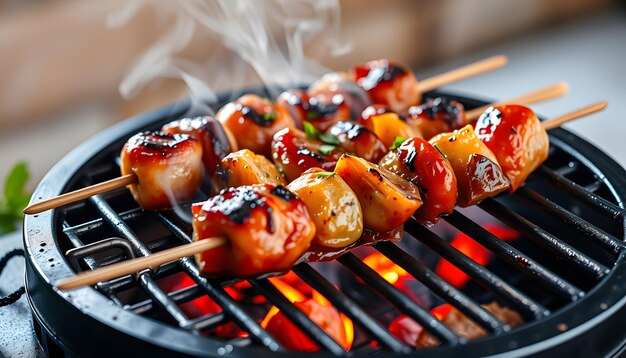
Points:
[(358, 140), (169, 168), (438, 115), (294, 152), (338, 88), (476, 168), (515, 136), (267, 228), (322, 111), (387, 125), (387, 200), (333, 206), (253, 121), (419, 162), (388, 83), (216, 142), (245, 168)]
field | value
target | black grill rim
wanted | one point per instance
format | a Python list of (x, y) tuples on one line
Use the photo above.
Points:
[(52, 308)]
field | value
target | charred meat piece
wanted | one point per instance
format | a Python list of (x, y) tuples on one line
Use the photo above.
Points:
[(267, 228), (294, 152), (339, 89), (387, 200), (419, 162), (438, 115), (333, 206), (387, 125), (515, 136), (245, 168), (322, 111), (253, 121), (388, 83), (476, 168), (216, 142), (169, 168), (362, 142)]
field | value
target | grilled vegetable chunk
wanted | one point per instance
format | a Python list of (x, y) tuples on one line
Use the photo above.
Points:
[(169, 168), (387, 125), (515, 136), (476, 168), (245, 168), (294, 152), (438, 115), (419, 162), (389, 84), (253, 121), (216, 142), (333, 206), (387, 200), (355, 138), (267, 228)]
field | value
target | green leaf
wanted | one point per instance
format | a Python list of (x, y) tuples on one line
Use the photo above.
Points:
[(310, 130), (270, 116), (325, 175), (397, 141), (16, 181), (439, 150), (312, 115), (7, 223), (326, 149), (329, 139)]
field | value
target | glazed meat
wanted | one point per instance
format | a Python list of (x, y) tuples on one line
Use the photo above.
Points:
[(253, 121), (388, 83), (387, 125), (515, 136), (245, 168), (169, 168), (322, 111), (419, 162), (216, 142), (333, 206), (476, 168), (358, 140), (339, 89), (438, 115), (267, 228)]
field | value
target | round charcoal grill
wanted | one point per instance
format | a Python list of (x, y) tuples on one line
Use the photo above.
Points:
[(565, 275)]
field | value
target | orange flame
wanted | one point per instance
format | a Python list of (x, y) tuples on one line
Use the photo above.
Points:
[(386, 268)]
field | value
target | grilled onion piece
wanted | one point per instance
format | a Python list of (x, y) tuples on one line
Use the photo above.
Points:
[(387, 125), (253, 121), (169, 168), (475, 166), (245, 168), (438, 115), (333, 206), (387, 200), (515, 136), (216, 142), (267, 228), (419, 162), (388, 83)]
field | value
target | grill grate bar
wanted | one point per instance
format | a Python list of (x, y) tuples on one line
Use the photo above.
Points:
[(515, 257), (126, 282), (145, 280), (349, 307), (209, 321), (476, 271), (441, 288), (179, 296), (573, 188), (543, 238), (398, 299), (301, 320), (591, 231), (97, 223), (217, 293)]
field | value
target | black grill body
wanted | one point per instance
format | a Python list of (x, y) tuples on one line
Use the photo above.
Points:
[(566, 276)]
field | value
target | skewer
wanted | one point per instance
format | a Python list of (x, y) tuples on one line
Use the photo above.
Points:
[(555, 90), (130, 266), (476, 68)]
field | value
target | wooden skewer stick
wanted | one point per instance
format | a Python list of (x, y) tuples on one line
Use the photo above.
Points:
[(81, 194), (581, 112), (542, 94), (128, 267), (476, 68), (131, 266)]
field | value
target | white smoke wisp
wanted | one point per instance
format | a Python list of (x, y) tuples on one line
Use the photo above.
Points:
[(265, 42)]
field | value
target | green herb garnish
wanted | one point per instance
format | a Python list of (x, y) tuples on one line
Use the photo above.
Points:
[(439, 150), (326, 149), (328, 139), (270, 116), (310, 130), (325, 175), (397, 141), (313, 115), (15, 198), (267, 175)]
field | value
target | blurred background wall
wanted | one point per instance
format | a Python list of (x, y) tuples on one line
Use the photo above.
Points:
[(61, 65)]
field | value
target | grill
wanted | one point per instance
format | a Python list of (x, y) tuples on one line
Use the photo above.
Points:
[(565, 275)]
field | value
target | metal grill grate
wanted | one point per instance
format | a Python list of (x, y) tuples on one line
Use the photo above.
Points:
[(570, 242)]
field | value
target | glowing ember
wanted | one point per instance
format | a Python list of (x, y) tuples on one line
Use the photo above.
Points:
[(385, 267), (406, 330)]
